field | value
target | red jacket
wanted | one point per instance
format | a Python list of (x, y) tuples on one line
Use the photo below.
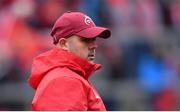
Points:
[(61, 82)]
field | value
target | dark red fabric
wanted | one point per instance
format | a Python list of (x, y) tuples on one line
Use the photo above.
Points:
[(61, 82)]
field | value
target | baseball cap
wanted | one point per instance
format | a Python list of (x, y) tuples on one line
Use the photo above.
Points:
[(77, 23)]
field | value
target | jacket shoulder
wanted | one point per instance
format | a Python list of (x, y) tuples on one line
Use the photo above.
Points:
[(58, 73), (61, 82), (64, 72)]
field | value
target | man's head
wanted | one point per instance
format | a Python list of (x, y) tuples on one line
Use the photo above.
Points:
[(77, 33), (82, 47)]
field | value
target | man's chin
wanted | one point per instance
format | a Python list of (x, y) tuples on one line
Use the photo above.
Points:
[(91, 60)]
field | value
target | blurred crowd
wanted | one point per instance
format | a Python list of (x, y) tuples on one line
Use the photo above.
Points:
[(141, 61)]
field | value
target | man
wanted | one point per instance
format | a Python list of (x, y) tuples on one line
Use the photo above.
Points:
[(60, 76)]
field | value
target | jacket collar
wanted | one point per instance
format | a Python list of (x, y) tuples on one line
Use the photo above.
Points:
[(75, 63)]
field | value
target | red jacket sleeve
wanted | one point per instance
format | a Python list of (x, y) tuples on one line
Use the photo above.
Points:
[(64, 93)]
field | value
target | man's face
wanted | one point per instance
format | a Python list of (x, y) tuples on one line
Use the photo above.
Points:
[(82, 47)]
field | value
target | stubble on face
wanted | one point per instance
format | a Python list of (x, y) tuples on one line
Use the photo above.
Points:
[(80, 47)]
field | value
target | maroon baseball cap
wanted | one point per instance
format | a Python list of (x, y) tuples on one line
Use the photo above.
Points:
[(77, 23)]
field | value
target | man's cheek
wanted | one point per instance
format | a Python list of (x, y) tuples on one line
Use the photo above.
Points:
[(84, 53)]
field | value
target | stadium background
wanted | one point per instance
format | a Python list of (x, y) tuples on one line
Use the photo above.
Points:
[(141, 60)]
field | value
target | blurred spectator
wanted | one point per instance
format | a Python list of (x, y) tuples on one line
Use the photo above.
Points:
[(152, 69), (175, 16), (98, 10)]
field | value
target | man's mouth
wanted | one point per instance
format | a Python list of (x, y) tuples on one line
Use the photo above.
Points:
[(91, 57)]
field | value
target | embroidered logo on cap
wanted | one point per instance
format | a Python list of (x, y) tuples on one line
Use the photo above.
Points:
[(87, 20)]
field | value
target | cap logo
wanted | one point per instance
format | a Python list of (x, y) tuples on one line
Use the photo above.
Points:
[(87, 20)]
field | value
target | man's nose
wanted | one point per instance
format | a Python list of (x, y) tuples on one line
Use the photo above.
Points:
[(93, 45)]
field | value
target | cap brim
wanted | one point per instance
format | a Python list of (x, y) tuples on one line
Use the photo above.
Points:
[(95, 32)]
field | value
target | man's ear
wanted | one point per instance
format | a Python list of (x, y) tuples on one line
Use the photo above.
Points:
[(63, 43)]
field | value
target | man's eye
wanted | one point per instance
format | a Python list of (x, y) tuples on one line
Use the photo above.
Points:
[(88, 40)]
